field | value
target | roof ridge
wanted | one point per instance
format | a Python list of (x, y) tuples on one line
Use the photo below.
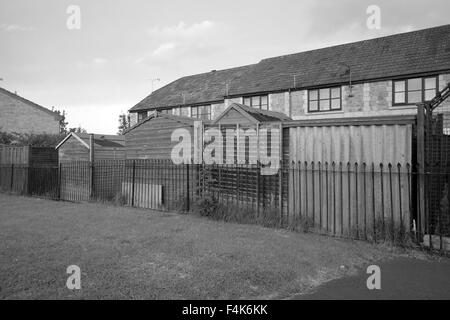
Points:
[(356, 42)]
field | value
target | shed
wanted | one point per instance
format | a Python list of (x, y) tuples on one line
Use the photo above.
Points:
[(253, 128), (152, 137), (77, 147)]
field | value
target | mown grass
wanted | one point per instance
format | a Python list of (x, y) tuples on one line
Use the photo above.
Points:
[(127, 253)]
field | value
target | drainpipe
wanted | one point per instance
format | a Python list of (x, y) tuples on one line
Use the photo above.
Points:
[(290, 103)]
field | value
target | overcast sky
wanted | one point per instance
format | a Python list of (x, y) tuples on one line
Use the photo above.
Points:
[(105, 67)]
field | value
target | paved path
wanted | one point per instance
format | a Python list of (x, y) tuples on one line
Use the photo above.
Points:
[(401, 278)]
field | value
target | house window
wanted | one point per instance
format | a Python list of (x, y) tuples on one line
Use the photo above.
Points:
[(201, 112), (260, 102), (323, 100), (416, 90), (166, 111), (142, 115)]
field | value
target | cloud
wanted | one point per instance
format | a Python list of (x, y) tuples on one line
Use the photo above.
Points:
[(99, 61), (164, 49), (182, 30), (182, 43), (15, 28)]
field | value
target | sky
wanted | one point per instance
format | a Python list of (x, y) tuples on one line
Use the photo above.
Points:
[(101, 62)]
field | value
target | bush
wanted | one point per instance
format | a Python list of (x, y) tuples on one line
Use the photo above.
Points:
[(209, 206), (391, 232), (34, 140)]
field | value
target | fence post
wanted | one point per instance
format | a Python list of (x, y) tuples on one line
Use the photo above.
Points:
[(187, 188), (421, 170)]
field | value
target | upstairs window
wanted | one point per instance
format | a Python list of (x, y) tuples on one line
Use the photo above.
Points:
[(142, 115), (201, 112), (416, 90), (323, 100), (259, 102), (166, 111)]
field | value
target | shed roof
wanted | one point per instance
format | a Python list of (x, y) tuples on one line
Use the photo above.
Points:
[(100, 140), (398, 55), (253, 115), (156, 114)]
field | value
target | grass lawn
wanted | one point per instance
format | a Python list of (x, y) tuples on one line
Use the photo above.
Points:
[(127, 253)]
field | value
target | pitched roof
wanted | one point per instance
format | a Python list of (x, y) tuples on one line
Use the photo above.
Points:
[(203, 87), (30, 103), (100, 140), (397, 55), (156, 114), (253, 114)]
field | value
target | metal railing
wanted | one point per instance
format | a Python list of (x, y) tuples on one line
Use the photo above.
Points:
[(353, 200)]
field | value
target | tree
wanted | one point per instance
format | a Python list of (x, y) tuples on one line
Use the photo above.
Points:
[(30, 139), (79, 129), (6, 138), (124, 123), (62, 123)]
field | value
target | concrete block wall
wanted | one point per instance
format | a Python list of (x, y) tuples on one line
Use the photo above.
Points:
[(279, 102), (217, 109), (133, 118), (369, 99), (18, 116)]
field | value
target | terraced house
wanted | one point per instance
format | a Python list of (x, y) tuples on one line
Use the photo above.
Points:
[(377, 77)]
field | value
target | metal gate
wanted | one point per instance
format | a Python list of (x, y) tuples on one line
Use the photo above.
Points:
[(433, 172)]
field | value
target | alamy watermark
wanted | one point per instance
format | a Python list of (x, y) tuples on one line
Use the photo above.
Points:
[(74, 19), (74, 280), (213, 146), (374, 280), (374, 19)]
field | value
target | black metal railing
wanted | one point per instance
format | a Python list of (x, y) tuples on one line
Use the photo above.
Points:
[(354, 200)]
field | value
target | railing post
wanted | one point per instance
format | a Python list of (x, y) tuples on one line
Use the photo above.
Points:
[(59, 181), (12, 177), (91, 171), (258, 181), (187, 188), (133, 178), (280, 192)]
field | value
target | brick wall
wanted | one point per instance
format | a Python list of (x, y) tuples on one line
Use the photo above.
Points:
[(18, 116)]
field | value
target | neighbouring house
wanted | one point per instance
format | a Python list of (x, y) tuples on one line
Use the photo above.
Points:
[(19, 115), (378, 77), (86, 147), (348, 108)]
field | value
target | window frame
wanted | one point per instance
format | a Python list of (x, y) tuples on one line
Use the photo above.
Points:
[(139, 116), (209, 113), (260, 106), (423, 90), (330, 98)]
